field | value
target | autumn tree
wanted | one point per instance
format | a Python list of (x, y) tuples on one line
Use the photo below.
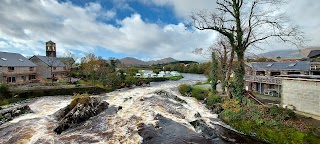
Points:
[(90, 65), (247, 24)]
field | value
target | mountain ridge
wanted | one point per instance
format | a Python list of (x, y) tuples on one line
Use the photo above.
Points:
[(130, 61)]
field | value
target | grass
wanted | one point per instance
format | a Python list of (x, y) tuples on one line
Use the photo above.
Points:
[(175, 78)]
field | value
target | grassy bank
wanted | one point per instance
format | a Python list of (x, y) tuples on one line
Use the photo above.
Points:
[(269, 124)]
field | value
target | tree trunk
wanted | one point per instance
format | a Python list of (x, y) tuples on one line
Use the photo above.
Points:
[(214, 74), (228, 73), (238, 87)]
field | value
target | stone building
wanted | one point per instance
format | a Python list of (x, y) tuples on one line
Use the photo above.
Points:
[(15, 69), (49, 66), (263, 76), (314, 57), (301, 93)]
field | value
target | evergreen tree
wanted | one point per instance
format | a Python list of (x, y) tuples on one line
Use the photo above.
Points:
[(214, 73)]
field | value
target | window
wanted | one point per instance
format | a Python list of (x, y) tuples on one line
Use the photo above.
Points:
[(64, 68), (275, 73), (11, 79), (54, 68), (20, 60), (32, 77), (293, 64), (270, 64), (10, 69), (31, 69), (23, 78), (4, 59)]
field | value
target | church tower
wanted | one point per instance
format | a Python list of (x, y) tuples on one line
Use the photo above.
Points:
[(51, 49)]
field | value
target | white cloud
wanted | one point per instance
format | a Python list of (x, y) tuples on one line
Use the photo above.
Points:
[(302, 12), (29, 24)]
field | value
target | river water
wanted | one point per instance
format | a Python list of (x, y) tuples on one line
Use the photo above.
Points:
[(145, 117)]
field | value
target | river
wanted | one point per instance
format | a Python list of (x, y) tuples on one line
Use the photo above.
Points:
[(145, 117)]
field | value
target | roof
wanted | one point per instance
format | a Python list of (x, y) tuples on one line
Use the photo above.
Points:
[(50, 61), (67, 60), (15, 60), (314, 53), (275, 66)]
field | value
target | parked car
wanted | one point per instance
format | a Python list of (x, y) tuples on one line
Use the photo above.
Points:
[(271, 93)]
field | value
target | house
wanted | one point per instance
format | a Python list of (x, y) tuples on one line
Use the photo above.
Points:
[(175, 73), (263, 76), (49, 67), (16, 69), (314, 57)]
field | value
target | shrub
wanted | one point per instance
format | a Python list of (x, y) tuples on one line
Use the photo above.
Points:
[(79, 98), (185, 89), (4, 102), (199, 94), (4, 89), (76, 95), (214, 99)]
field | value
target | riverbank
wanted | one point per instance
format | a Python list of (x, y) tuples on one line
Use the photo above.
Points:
[(16, 94), (269, 124)]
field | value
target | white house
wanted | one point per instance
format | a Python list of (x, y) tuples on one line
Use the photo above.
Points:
[(175, 73)]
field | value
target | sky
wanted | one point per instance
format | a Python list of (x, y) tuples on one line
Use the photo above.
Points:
[(144, 29)]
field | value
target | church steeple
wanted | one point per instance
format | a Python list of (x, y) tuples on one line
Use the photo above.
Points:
[(51, 49)]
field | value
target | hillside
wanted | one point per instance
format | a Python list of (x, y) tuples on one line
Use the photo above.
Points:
[(289, 54), (129, 61)]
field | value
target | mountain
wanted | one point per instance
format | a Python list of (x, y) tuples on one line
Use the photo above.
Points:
[(129, 61), (162, 61), (289, 54)]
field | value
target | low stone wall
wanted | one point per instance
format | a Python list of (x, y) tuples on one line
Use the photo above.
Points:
[(56, 91), (302, 95)]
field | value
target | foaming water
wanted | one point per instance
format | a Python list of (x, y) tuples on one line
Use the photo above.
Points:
[(140, 107)]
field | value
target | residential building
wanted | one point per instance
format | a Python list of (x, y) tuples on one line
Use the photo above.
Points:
[(263, 76), (314, 57), (49, 67), (16, 69)]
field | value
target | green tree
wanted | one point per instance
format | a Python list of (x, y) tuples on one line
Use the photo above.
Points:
[(214, 73)]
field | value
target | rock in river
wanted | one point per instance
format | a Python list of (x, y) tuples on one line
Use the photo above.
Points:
[(78, 111), (9, 113)]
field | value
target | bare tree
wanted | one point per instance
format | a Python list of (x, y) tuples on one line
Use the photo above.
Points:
[(69, 60), (225, 56), (246, 24)]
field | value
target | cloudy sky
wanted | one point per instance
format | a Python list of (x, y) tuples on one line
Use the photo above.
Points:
[(145, 29)]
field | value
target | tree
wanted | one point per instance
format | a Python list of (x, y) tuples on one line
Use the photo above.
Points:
[(214, 74), (225, 57), (90, 65), (69, 60), (247, 24)]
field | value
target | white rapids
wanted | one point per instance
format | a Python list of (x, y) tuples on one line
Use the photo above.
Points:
[(139, 106)]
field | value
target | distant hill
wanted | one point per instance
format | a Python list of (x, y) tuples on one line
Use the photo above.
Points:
[(289, 54), (129, 61)]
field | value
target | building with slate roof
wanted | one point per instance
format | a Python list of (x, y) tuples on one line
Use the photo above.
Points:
[(16, 69), (263, 77), (49, 66), (314, 57)]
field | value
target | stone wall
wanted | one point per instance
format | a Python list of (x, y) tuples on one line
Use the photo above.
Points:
[(302, 94)]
